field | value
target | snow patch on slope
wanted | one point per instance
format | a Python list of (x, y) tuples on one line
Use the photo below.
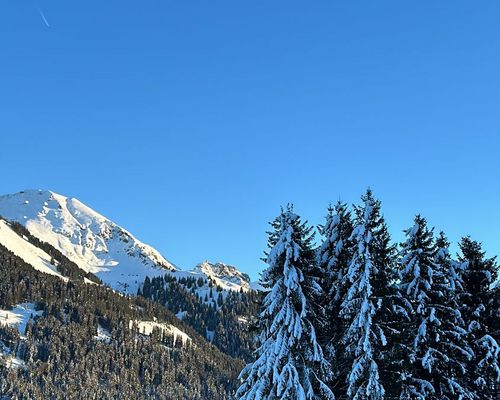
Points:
[(19, 316), (103, 334), (34, 256), (146, 328), (8, 359)]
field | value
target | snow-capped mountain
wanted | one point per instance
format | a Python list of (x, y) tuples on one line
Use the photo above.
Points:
[(96, 244), (87, 238)]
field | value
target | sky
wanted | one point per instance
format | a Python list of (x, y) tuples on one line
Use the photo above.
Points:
[(191, 122)]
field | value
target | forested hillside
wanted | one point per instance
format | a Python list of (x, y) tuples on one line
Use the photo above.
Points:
[(87, 341), (226, 320)]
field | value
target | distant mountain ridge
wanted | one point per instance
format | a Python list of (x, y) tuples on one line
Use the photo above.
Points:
[(100, 246), (224, 272)]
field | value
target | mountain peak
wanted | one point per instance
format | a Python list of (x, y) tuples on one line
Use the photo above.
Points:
[(224, 272), (86, 237)]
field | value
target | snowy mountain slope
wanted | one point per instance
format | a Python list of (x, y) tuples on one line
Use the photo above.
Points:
[(34, 256), (227, 277), (87, 238), (212, 283)]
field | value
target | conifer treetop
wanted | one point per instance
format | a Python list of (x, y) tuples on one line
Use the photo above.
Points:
[(289, 360)]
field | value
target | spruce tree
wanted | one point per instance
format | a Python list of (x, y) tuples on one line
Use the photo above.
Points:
[(434, 341), (452, 344), (289, 361), (386, 292), (494, 315), (417, 273), (334, 256), (365, 339), (479, 273)]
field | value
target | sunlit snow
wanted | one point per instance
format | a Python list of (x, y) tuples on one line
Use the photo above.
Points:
[(34, 256), (19, 316), (146, 328)]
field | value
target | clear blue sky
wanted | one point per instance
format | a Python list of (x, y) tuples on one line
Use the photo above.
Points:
[(191, 122)]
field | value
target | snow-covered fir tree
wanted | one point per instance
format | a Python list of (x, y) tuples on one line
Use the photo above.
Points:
[(416, 283), (289, 361), (334, 256), (386, 292), (364, 338), (451, 340), (434, 340), (494, 327), (479, 313)]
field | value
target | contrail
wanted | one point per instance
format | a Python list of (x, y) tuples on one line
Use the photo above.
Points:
[(43, 18)]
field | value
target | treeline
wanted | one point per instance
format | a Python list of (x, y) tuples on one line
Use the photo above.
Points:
[(62, 357), (224, 320), (363, 318)]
